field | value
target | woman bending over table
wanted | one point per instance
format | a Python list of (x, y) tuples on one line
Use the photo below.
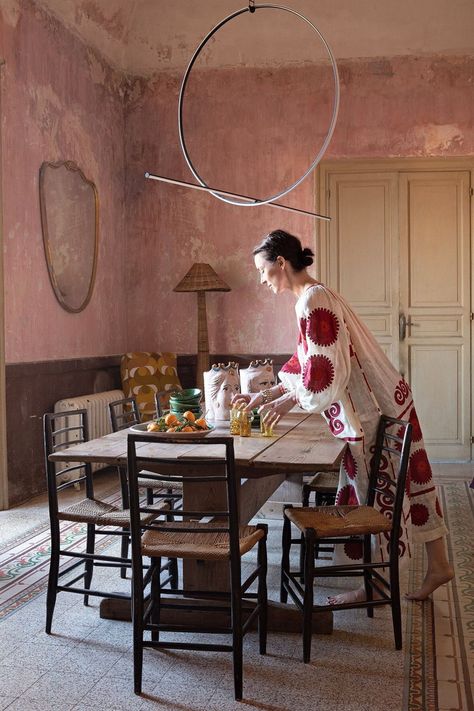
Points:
[(340, 371)]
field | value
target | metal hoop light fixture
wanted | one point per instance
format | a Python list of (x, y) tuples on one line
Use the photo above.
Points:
[(251, 202)]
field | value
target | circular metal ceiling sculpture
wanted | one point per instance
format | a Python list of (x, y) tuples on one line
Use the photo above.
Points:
[(245, 201), (238, 198)]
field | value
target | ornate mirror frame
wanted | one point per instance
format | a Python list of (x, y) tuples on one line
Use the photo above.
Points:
[(51, 226)]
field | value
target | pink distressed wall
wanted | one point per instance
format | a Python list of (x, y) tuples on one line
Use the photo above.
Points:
[(253, 131), (248, 130), (59, 101)]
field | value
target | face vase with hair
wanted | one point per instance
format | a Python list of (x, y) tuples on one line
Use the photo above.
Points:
[(221, 383), (257, 377)]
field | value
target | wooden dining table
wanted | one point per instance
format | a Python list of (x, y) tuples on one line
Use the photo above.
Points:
[(301, 444)]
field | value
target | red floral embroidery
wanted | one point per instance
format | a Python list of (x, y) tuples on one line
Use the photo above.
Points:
[(346, 496), (419, 469), (419, 514), (416, 433), (318, 373), (402, 392), (323, 327), (349, 464), (353, 550), (292, 365), (335, 425), (438, 508)]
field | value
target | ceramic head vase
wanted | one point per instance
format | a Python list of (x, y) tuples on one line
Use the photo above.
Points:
[(257, 377), (221, 383)]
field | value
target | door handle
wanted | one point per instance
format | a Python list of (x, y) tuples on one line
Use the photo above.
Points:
[(403, 322)]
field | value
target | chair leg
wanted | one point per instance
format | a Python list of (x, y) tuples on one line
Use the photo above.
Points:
[(395, 595), (124, 487), (173, 571), (124, 550), (367, 558), (308, 595), (262, 595), (149, 497), (285, 557), (237, 652), (137, 619), (52, 578), (302, 554), (89, 564), (305, 494), (155, 592)]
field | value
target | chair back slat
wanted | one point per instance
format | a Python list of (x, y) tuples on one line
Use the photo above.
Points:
[(389, 468), (124, 413), (219, 475), (57, 436), (162, 400)]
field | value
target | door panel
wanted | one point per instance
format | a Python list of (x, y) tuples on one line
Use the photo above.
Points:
[(441, 414), (363, 243), (435, 298)]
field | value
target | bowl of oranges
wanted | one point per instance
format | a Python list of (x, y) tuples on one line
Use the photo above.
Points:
[(185, 425)]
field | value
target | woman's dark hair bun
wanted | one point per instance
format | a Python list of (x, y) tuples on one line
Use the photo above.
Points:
[(307, 256)]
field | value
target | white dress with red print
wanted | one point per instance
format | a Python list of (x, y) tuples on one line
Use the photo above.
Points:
[(340, 371)]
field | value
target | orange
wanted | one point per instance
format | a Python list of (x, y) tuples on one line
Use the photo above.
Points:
[(170, 419), (201, 422), (189, 416), (188, 428), (153, 427), (171, 429)]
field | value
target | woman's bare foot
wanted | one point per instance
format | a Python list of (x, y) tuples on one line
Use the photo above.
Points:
[(433, 580)]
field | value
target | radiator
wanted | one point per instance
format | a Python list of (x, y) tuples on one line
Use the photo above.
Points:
[(97, 406)]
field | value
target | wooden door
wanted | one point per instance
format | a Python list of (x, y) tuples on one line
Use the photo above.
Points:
[(398, 250), (435, 305)]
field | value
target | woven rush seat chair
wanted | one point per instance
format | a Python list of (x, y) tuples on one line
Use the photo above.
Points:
[(123, 414), (61, 430), (201, 535), (349, 524), (324, 487), (162, 400)]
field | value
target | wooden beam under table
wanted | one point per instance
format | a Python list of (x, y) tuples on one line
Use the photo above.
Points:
[(281, 618)]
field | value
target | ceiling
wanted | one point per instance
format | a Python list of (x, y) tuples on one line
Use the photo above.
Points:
[(145, 36)]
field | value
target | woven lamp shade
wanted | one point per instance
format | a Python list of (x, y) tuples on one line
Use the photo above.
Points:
[(201, 278)]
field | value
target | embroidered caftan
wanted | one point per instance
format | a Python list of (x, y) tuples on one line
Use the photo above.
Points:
[(340, 371)]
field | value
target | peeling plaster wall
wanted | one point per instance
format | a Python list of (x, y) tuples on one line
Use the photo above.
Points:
[(59, 101), (405, 107)]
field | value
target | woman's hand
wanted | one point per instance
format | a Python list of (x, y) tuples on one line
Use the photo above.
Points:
[(273, 411), (246, 401)]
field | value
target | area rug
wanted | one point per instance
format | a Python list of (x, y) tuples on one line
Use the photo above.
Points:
[(440, 633), (24, 563)]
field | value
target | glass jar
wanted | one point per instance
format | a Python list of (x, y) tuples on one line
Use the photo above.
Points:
[(234, 425), (266, 430), (245, 422), (240, 422)]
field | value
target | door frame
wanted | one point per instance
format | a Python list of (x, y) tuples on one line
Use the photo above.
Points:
[(321, 192)]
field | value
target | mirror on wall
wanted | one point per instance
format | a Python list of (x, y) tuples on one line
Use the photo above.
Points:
[(70, 224)]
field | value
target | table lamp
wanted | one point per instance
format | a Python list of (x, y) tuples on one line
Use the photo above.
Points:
[(201, 278)]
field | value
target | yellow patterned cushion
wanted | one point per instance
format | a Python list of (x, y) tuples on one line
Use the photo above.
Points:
[(144, 374)]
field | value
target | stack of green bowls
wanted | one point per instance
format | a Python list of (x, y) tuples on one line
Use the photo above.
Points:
[(186, 400)]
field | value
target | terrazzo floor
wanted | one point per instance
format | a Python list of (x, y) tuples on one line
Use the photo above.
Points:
[(87, 662)]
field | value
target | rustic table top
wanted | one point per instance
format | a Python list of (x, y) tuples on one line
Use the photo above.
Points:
[(300, 443)]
